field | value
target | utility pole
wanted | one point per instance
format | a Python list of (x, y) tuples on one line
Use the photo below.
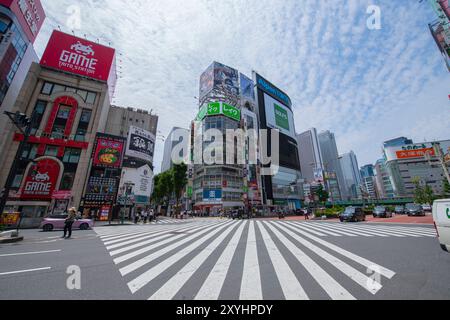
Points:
[(440, 155)]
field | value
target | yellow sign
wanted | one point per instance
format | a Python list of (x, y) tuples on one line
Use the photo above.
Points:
[(9, 218)]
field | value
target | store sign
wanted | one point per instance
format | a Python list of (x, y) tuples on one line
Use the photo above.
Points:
[(30, 14), (108, 152), (231, 112), (104, 213), (62, 195), (141, 180), (219, 108), (8, 219), (212, 195), (273, 91), (417, 153), (41, 180), (79, 56), (141, 144), (214, 108), (279, 116)]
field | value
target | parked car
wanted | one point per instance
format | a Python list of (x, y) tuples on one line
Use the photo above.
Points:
[(441, 217), (381, 212), (427, 208), (57, 222), (413, 209), (399, 210), (353, 214)]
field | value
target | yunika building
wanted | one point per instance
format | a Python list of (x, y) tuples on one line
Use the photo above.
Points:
[(68, 96)]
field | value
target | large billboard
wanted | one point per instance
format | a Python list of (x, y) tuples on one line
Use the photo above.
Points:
[(207, 81), (226, 79), (41, 180), (30, 14), (415, 151), (141, 144), (141, 180), (108, 151), (279, 116), (79, 56), (247, 88)]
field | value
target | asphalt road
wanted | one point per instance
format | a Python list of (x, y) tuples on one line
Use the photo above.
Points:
[(214, 259)]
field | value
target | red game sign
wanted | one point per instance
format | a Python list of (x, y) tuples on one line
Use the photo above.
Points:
[(108, 152), (41, 180), (30, 14), (79, 56)]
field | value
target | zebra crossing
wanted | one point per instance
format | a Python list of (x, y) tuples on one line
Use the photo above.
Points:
[(212, 259)]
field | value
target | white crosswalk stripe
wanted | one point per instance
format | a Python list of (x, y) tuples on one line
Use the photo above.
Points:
[(210, 259)]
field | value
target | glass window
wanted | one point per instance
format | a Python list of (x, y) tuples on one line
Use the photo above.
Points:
[(51, 151), (83, 94), (72, 155), (58, 88), (69, 89), (64, 112), (17, 181), (39, 109), (47, 88), (67, 181), (91, 97), (30, 151)]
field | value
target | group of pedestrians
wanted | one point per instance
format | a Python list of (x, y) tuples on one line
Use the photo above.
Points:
[(144, 216)]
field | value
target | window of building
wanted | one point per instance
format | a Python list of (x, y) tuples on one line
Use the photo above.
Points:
[(39, 109), (18, 179), (67, 181), (59, 127), (83, 125), (72, 155), (30, 151), (83, 94), (51, 151), (91, 97), (47, 88), (58, 88)]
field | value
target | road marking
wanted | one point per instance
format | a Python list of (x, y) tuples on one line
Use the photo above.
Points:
[(142, 280), (331, 286), (292, 289), (251, 278), (24, 271), (172, 286), (359, 230), (28, 253), (214, 283)]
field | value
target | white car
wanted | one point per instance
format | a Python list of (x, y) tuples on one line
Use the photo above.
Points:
[(427, 207), (80, 48), (441, 216)]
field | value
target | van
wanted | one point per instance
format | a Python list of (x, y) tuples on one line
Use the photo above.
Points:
[(441, 216)]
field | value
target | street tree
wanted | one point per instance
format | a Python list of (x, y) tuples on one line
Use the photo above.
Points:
[(446, 189), (179, 178)]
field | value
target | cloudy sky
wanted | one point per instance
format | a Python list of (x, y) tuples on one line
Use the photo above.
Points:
[(365, 85)]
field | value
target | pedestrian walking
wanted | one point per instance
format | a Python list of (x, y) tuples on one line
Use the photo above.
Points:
[(144, 216), (68, 223), (307, 214), (136, 218)]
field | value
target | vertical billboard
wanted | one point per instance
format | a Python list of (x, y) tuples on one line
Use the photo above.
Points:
[(81, 57), (278, 116), (30, 15), (108, 151), (247, 88), (140, 144), (226, 79), (207, 81), (42, 180)]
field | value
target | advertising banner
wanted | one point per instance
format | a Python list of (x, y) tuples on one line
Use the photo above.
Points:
[(226, 79), (219, 108), (141, 144), (212, 195), (141, 180), (108, 151), (414, 151), (41, 180), (30, 14), (279, 116), (273, 91), (79, 56), (207, 81), (247, 88)]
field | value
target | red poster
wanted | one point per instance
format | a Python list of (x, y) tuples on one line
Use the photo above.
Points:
[(41, 180), (79, 56), (419, 153), (108, 152), (30, 15)]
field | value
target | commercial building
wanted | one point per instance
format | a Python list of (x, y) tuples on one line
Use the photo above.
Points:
[(176, 136), (283, 188), (314, 171), (409, 162), (352, 175), (330, 157), (369, 181), (383, 180), (67, 96), (20, 23), (440, 28), (397, 142)]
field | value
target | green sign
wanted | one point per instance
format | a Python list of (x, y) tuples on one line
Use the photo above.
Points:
[(189, 192), (231, 112), (202, 114), (281, 117), (245, 189), (448, 213), (213, 109)]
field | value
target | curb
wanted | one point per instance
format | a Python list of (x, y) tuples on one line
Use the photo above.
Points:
[(11, 240)]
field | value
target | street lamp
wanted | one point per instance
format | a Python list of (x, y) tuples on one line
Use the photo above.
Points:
[(24, 125)]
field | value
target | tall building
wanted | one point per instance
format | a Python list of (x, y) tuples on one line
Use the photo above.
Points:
[(310, 156), (369, 181), (352, 175), (176, 136), (20, 23), (330, 157), (68, 105), (383, 181), (409, 162)]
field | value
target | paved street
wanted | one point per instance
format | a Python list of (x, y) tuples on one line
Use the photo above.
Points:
[(230, 260)]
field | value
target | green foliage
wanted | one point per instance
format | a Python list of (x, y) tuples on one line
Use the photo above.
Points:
[(168, 183), (322, 194), (423, 194), (446, 188)]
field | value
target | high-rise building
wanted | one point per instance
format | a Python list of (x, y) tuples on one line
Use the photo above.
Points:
[(383, 181), (411, 162), (310, 156), (352, 175), (369, 181), (330, 158), (176, 136)]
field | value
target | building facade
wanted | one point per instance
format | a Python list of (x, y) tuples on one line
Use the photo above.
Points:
[(411, 162), (383, 180), (352, 175), (369, 181), (176, 136), (67, 110), (330, 156)]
